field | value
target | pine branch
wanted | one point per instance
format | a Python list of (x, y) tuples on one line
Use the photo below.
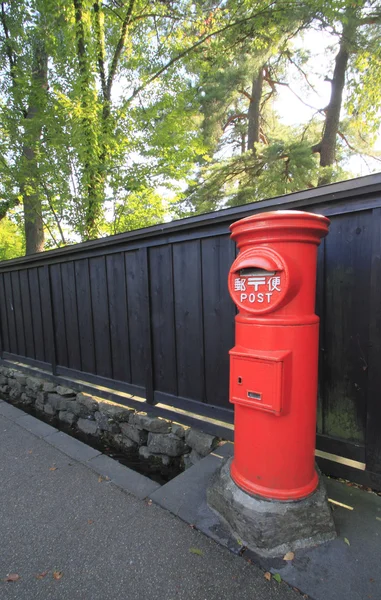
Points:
[(234, 118), (245, 93), (343, 137), (299, 68), (185, 52)]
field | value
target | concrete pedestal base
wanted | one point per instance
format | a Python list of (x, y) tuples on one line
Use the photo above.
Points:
[(271, 528)]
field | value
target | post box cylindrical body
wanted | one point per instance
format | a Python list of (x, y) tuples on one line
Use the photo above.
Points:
[(273, 366)]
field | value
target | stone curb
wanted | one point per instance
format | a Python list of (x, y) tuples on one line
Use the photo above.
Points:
[(128, 480)]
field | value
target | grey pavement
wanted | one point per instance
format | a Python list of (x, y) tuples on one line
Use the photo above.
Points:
[(60, 513)]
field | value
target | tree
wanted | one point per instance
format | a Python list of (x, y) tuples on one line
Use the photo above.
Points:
[(268, 159)]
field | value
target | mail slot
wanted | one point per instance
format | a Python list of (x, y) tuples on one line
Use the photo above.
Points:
[(273, 365), (259, 379)]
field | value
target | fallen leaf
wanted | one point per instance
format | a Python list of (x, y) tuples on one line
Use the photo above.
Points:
[(53, 469), (347, 541), (277, 577), (57, 575), (30, 451), (239, 542), (289, 556), (90, 521), (378, 518), (196, 551), (12, 577), (42, 575), (101, 478), (268, 576)]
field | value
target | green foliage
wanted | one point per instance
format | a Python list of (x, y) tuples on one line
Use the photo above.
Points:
[(142, 208), (11, 240), (144, 99)]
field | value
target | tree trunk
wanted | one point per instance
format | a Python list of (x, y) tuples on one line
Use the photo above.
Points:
[(327, 146), (243, 142), (93, 179), (254, 111), (33, 221)]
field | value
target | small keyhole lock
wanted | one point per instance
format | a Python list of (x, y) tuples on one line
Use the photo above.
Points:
[(240, 380)]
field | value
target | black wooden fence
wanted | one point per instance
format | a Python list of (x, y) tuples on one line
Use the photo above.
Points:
[(148, 313)]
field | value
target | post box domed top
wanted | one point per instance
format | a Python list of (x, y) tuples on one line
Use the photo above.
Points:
[(287, 225)]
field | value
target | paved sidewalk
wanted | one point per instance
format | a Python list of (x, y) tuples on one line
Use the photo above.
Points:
[(58, 514)]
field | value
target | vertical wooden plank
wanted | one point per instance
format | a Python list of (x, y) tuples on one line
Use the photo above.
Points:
[(18, 313), (320, 311), (188, 315), (101, 321), (34, 286), (348, 259), (137, 273), (3, 316), (47, 322), (85, 320), (373, 423), (218, 253), (71, 315), (163, 319), (26, 303), (10, 313), (117, 297), (58, 315)]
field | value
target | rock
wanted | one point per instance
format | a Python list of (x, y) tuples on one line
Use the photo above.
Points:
[(81, 411), (49, 410), (87, 426), (48, 386), (201, 442), (64, 391), (67, 417), (139, 436), (3, 380), (87, 401), (191, 459), (7, 372), (195, 457), (153, 424), (270, 529), (25, 399), (13, 383), (20, 378), (68, 404), (117, 440), (114, 411), (16, 390), (5, 389), (106, 424), (161, 459), (187, 461), (166, 443), (56, 402), (34, 385), (178, 430), (40, 400)]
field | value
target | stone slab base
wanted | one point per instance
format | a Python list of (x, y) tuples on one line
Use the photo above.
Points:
[(271, 528)]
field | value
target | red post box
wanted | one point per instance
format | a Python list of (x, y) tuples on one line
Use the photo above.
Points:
[(273, 366)]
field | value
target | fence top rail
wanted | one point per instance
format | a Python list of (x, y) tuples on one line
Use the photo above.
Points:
[(351, 189)]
